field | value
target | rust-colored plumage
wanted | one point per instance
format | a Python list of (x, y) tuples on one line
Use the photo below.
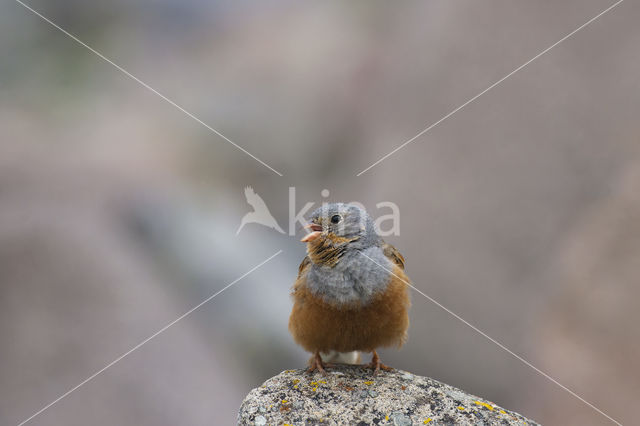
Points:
[(319, 326), (351, 292)]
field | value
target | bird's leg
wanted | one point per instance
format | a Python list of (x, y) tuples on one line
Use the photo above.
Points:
[(317, 364), (376, 365)]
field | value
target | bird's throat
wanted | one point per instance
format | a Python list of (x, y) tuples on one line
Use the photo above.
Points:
[(328, 249)]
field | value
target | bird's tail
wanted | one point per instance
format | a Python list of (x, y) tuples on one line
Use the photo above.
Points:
[(336, 357)]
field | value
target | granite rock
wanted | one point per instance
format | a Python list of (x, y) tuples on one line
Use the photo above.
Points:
[(351, 395)]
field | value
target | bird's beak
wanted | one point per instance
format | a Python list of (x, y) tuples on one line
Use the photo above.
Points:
[(316, 231)]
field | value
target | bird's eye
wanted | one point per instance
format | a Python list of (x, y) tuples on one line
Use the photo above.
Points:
[(335, 218)]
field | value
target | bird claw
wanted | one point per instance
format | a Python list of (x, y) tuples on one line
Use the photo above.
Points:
[(376, 365), (318, 365)]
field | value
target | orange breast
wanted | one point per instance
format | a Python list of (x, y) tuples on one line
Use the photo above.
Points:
[(319, 326)]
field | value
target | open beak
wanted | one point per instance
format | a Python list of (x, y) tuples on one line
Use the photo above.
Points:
[(316, 231)]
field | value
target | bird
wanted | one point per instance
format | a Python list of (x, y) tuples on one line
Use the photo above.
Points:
[(260, 213), (351, 294)]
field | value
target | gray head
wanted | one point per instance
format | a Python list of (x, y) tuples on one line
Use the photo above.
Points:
[(343, 223), (341, 246)]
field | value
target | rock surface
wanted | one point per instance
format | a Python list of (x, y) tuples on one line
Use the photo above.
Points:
[(351, 395)]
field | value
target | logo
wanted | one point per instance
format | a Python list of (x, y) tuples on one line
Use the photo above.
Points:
[(386, 224), (260, 214)]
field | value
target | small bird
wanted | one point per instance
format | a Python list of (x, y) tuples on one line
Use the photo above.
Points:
[(260, 213), (351, 292)]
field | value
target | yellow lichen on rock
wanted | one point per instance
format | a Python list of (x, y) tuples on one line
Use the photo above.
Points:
[(484, 404)]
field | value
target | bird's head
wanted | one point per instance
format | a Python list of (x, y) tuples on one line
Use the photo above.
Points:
[(340, 224)]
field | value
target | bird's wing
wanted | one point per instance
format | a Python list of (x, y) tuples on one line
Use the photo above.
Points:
[(306, 262), (254, 200), (393, 254), (301, 281)]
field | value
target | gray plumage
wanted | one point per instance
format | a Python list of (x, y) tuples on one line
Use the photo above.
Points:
[(354, 277)]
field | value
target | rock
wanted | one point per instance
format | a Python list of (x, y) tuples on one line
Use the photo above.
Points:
[(351, 395)]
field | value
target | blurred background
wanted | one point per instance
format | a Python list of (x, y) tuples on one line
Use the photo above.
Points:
[(118, 213)]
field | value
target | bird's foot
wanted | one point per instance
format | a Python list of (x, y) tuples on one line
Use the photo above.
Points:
[(316, 364), (376, 365)]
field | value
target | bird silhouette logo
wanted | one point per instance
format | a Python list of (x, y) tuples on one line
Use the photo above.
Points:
[(260, 213)]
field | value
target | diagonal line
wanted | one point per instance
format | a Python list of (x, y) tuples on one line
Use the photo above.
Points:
[(467, 323), (133, 77), (490, 87), (94, 375)]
